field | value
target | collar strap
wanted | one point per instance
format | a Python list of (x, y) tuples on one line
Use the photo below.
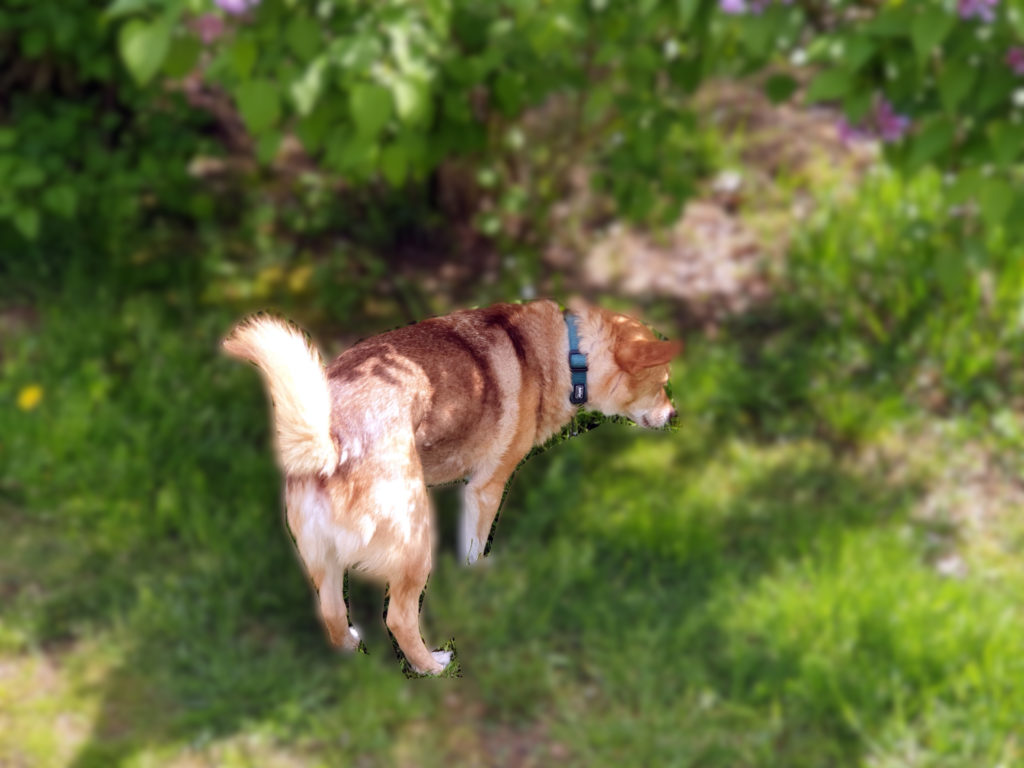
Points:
[(577, 362)]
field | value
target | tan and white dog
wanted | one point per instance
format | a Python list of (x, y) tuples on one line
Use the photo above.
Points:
[(465, 396)]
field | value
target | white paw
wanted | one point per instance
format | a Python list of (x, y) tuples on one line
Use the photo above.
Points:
[(350, 643), (442, 657), (473, 551)]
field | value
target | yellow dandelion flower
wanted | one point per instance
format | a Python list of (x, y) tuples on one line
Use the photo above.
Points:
[(299, 278), (29, 397)]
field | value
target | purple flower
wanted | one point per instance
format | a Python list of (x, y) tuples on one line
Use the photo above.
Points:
[(883, 124), (977, 9), (737, 7), (848, 134), (1015, 60), (890, 126), (734, 7), (236, 7), (209, 27)]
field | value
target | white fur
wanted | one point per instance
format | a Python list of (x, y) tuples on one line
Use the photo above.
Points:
[(322, 542), (469, 545), (442, 657), (328, 542), (298, 386)]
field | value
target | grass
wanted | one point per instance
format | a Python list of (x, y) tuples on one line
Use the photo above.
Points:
[(770, 585)]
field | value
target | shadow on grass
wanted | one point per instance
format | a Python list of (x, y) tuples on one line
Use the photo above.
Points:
[(614, 583), (606, 575)]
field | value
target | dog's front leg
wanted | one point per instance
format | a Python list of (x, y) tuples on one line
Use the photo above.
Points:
[(480, 502)]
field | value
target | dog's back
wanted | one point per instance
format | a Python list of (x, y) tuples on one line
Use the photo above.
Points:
[(466, 384)]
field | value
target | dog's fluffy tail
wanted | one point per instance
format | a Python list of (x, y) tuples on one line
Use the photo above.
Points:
[(298, 386)]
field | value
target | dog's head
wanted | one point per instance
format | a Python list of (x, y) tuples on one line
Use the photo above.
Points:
[(629, 367)]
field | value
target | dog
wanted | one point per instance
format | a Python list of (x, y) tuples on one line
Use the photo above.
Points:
[(460, 397)]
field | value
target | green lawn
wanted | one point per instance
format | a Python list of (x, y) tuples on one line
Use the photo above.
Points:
[(690, 598), (822, 567)]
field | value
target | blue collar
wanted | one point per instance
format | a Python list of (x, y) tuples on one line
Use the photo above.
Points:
[(577, 362)]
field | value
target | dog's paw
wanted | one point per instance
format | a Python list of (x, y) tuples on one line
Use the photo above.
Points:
[(350, 642), (440, 659), (473, 551), (443, 658)]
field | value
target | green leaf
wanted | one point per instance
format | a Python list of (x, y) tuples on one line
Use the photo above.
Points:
[(182, 57), (26, 220), (314, 128), (27, 174), (371, 109), (1006, 141), (357, 54), (857, 104), (686, 9), (120, 8), (143, 46), (394, 164), (259, 103), (857, 51), (1015, 218), (401, 48), (965, 188), (830, 84), (996, 86), (61, 199), (356, 155), (33, 42), (508, 90), (242, 56), (1017, 22), (929, 28), (266, 147), (780, 87), (995, 198), (955, 84), (686, 73), (894, 20), (935, 138), (598, 101), (305, 91), (951, 271), (759, 34), (412, 100), (303, 36)]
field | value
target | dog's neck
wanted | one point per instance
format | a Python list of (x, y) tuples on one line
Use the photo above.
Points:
[(577, 362), (602, 369)]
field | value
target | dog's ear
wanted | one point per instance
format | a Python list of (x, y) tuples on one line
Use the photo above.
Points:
[(634, 356)]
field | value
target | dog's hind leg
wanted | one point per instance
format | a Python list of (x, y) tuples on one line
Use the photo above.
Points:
[(331, 590), (404, 591), (309, 520), (407, 576)]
